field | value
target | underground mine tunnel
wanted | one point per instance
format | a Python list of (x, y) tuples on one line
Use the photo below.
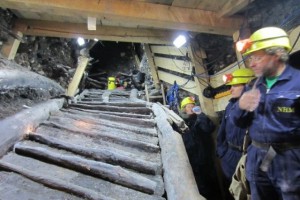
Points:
[(91, 95)]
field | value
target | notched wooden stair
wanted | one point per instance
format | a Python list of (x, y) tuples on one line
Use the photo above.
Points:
[(103, 145)]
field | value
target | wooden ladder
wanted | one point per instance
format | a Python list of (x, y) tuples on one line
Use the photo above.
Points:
[(157, 96)]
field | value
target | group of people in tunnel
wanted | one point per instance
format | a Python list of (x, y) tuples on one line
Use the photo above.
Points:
[(265, 105)]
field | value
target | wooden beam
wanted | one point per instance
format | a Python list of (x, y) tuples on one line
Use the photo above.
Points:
[(170, 78), (233, 6), (206, 104), (169, 50), (73, 30), (178, 174), (73, 86), (132, 13), (183, 67), (239, 56), (295, 41), (186, 3), (152, 66), (10, 48)]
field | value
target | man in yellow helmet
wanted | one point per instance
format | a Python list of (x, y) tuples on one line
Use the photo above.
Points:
[(271, 110), (199, 147), (230, 137)]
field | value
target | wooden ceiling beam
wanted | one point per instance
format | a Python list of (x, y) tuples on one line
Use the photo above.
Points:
[(233, 6), (105, 33), (139, 14)]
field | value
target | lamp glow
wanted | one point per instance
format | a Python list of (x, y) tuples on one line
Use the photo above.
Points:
[(179, 41), (80, 41)]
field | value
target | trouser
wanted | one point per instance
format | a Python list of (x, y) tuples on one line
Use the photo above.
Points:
[(206, 179), (282, 178), (229, 162)]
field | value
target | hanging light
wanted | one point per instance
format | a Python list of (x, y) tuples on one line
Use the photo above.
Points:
[(80, 41), (179, 41)]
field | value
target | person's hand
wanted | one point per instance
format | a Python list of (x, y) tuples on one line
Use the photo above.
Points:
[(196, 110), (249, 100)]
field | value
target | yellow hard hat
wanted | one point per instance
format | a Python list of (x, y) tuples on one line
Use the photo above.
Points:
[(264, 38), (187, 100), (239, 76)]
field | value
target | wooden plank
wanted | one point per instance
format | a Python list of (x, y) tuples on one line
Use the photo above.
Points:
[(105, 33), (294, 34), (114, 113), (236, 37), (233, 6), (103, 154), (170, 78), (147, 123), (184, 67), (152, 66), (212, 5), (186, 3), (53, 182), (169, 50), (107, 125), (20, 124), (19, 183), (206, 104), (113, 173), (15, 186), (96, 143), (139, 14), (10, 47), (73, 86), (178, 174), (87, 129), (141, 110)]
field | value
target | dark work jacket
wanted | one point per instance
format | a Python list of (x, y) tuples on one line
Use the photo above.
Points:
[(229, 133), (198, 140), (199, 146)]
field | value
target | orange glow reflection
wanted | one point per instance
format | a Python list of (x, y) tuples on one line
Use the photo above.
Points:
[(83, 125), (29, 129)]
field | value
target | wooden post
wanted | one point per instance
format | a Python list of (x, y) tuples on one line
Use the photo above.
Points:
[(238, 54), (293, 35), (152, 66), (206, 104), (10, 48), (73, 86)]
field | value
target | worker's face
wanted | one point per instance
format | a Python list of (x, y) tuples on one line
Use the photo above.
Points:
[(236, 90), (263, 64), (188, 108)]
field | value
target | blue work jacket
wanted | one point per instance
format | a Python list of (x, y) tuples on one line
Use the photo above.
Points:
[(277, 118), (228, 132)]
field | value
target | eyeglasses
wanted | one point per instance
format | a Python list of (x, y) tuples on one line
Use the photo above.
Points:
[(255, 58)]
